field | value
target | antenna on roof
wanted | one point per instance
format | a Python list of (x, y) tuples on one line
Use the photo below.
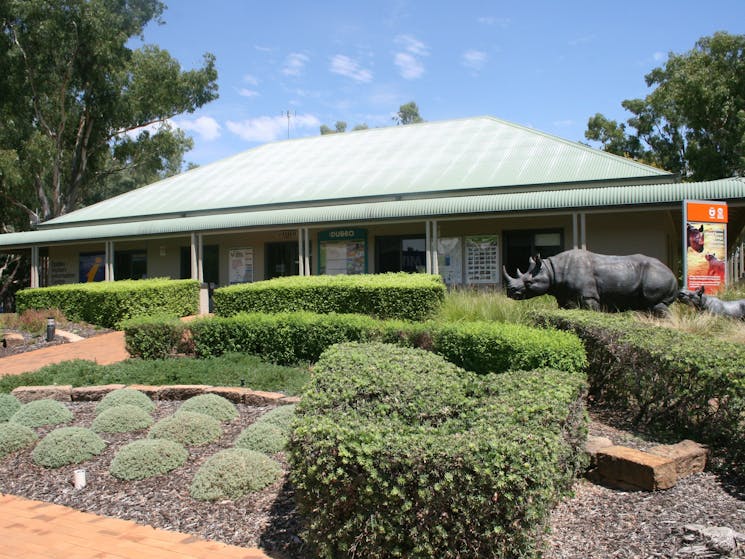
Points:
[(289, 114)]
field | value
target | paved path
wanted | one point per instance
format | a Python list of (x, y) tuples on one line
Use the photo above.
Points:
[(103, 349), (38, 530)]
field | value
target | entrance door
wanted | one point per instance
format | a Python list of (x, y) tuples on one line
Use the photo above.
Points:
[(210, 263), (400, 254), (519, 246), (281, 259)]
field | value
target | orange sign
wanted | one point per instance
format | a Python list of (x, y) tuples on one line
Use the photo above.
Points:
[(707, 212)]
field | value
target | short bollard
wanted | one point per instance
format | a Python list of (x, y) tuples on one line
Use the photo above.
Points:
[(50, 329)]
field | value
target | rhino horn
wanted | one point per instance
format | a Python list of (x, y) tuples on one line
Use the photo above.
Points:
[(508, 277), (531, 267)]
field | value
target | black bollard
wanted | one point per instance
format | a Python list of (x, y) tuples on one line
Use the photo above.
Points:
[(50, 329)]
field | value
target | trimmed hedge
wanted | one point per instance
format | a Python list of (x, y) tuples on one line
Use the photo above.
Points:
[(398, 453), (301, 337), (153, 337), (676, 383), (108, 303), (393, 295)]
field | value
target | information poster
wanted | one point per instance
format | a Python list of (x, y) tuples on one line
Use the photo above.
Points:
[(482, 260), (705, 245), (342, 252), (241, 265), (92, 267), (450, 260)]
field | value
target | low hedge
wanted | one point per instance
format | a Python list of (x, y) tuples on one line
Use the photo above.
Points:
[(393, 295), (107, 303), (399, 453), (301, 337), (676, 383), (153, 337)]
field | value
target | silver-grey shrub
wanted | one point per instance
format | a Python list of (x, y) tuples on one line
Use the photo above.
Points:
[(147, 458), (281, 416), (187, 428), (233, 473), (14, 436), (42, 412), (213, 405), (262, 437), (124, 396), (122, 419), (9, 404), (67, 445)]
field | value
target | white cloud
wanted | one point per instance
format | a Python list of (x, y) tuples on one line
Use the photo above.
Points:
[(491, 20), (409, 66), (350, 68), (474, 59), (206, 127), (659, 56), (245, 92), (251, 80), (295, 64), (270, 128), (408, 60)]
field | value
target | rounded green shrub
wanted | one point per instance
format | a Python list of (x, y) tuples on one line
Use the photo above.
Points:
[(232, 473), (125, 396), (281, 416), (122, 419), (147, 458), (213, 405), (67, 445), (9, 404), (187, 428), (42, 412), (262, 437), (14, 436)]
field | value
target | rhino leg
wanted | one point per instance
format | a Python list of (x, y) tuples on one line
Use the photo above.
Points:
[(661, 310), (590, 303)]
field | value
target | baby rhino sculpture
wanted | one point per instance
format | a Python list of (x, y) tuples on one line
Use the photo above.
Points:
[(579, 278), (702, 302)]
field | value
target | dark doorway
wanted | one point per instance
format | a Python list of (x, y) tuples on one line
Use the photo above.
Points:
[(400, 254), (130, 264), (519, 246), (210, 263), (281, 259)]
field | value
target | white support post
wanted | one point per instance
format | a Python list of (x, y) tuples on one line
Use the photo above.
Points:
[(306, 252), (109, 265), (583, 230), (200, 258), (300, 252), (428, 245), (194, 265), (34, 266), (575, 231), (435, 242)]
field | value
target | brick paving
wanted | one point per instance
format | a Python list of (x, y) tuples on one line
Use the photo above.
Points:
[(38, 530)]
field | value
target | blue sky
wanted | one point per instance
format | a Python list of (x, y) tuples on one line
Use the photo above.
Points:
[(549, 65)]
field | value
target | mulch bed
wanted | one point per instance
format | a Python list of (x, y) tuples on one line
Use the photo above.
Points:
[(596, 522), (32, 343)]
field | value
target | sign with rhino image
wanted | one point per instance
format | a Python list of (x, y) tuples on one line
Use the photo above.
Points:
[(705, 245)]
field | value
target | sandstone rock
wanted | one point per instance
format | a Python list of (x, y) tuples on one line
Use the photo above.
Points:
[(260, 398), (594, 445), (234, 394), (290, 400), (62, 393), (719, 539), (633, 469), (147, 389), (93, 393), (181, 391), (689, 456), (13, 340)]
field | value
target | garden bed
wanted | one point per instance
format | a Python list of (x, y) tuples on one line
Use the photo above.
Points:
[(33, 342)]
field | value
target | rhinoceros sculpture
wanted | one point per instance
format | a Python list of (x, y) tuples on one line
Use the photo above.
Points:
[(579, 278), (702, 302)]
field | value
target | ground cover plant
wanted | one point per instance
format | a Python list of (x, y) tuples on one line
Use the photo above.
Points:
[(125, 396), (233, 473), (14, 436), (187, 428), (67, 445), (9, 404), (121, 419), (147, 458), (42, 412), (227, 370), (212, 405)]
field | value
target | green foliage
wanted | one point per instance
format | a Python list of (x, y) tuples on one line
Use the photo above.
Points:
[(108, 303), (147, 458), (33, 321), (400, 295), (213, 405), (692, 122), (153, 337), (477, 346), (9, 405), (187, 428), (262, 437), (67, 445), (671, 381), (471, 305), (233, 473), (398, 453), (281, 416), (42, 412), (408, 113), (227, 370), (125, 396), (122, 419), (14, 436)]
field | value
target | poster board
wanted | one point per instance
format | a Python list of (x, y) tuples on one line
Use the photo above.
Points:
[(92, 267), (705, 245), (241, 265), (342, 252), (482, 260), (450, 260)]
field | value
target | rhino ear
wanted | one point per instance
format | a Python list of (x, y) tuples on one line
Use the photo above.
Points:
[(700, 290)]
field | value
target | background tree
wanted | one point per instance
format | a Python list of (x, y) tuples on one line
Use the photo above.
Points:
[(408, 113), (693, 122)]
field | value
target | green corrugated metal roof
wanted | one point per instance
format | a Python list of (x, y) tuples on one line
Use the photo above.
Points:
[(414, 160), (561, 199)]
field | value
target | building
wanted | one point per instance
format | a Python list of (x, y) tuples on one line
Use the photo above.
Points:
[(460, 198)]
